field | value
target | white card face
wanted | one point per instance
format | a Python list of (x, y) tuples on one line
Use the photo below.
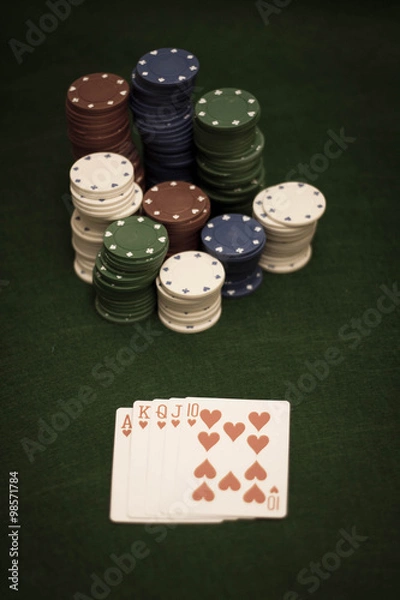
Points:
[(120, 468), (155, 454), (233, 459), (138, 470), (171, 449)]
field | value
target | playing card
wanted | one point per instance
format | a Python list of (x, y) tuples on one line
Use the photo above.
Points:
[(155, 455), (139, 453), (200, 460), (233, 458), (120, 467)]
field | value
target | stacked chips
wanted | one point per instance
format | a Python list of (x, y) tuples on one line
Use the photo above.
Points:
[(189, 292), (162, 85), (237, 241), (103, 190), (98, 118), (229, 149), (289, 213), (183, 208), (126, 267)]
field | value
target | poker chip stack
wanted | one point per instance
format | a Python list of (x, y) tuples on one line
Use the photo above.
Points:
[(289, 213), (183, 208), (98, 118), (126, 267), (237, 241), (229, 149), (102, 190), (160, 99), (189, 291)]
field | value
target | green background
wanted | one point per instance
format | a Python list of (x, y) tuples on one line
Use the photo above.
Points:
[(315, 67)]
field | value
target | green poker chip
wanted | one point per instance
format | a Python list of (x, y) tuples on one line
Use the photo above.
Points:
[(126, 268), (123, 318), (227, 109), (135, 238), (252, 154), (230, 180)]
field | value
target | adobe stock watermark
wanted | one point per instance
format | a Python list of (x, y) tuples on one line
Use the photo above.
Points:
[(316, 573), (267, 9), (36, 33), (104, 373), (333, 148), (352, 333)]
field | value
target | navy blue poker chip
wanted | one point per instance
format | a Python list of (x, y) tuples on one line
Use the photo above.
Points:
[(244, 287), (167, 67), (233, 236)]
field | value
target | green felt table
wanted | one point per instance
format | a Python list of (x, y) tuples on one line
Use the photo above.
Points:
[(325, 337)]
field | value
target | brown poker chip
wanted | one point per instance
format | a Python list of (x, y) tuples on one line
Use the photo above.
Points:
[(183, 208), (98, 119), (98, 92), (174, 202)]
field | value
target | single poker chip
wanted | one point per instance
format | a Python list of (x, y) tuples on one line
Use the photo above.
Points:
[(293, 203), (233, 235), (136, 238), (192, 274), (168, 66), (175, 201), (227, 109), (98, 92), (101, 172)]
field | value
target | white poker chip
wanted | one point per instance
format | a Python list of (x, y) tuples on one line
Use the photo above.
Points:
[(85, 228), (288, 213), (272, 265), (184, 314), (190, 327), (192, 274), (185, 319), (85, 249), (82, 271), (101, 173), (293, 204)]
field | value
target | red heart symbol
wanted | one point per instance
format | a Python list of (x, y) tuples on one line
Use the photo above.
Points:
[(191, 422), (208, 440), (203, 492), (257, 444), (210, 418), (274, 490), (259, 419), (175, 422), (205, 470), (143, 424), (256, 471), (161, 424), (234, 430), (229, 481), (126, 432), (254, 494)]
